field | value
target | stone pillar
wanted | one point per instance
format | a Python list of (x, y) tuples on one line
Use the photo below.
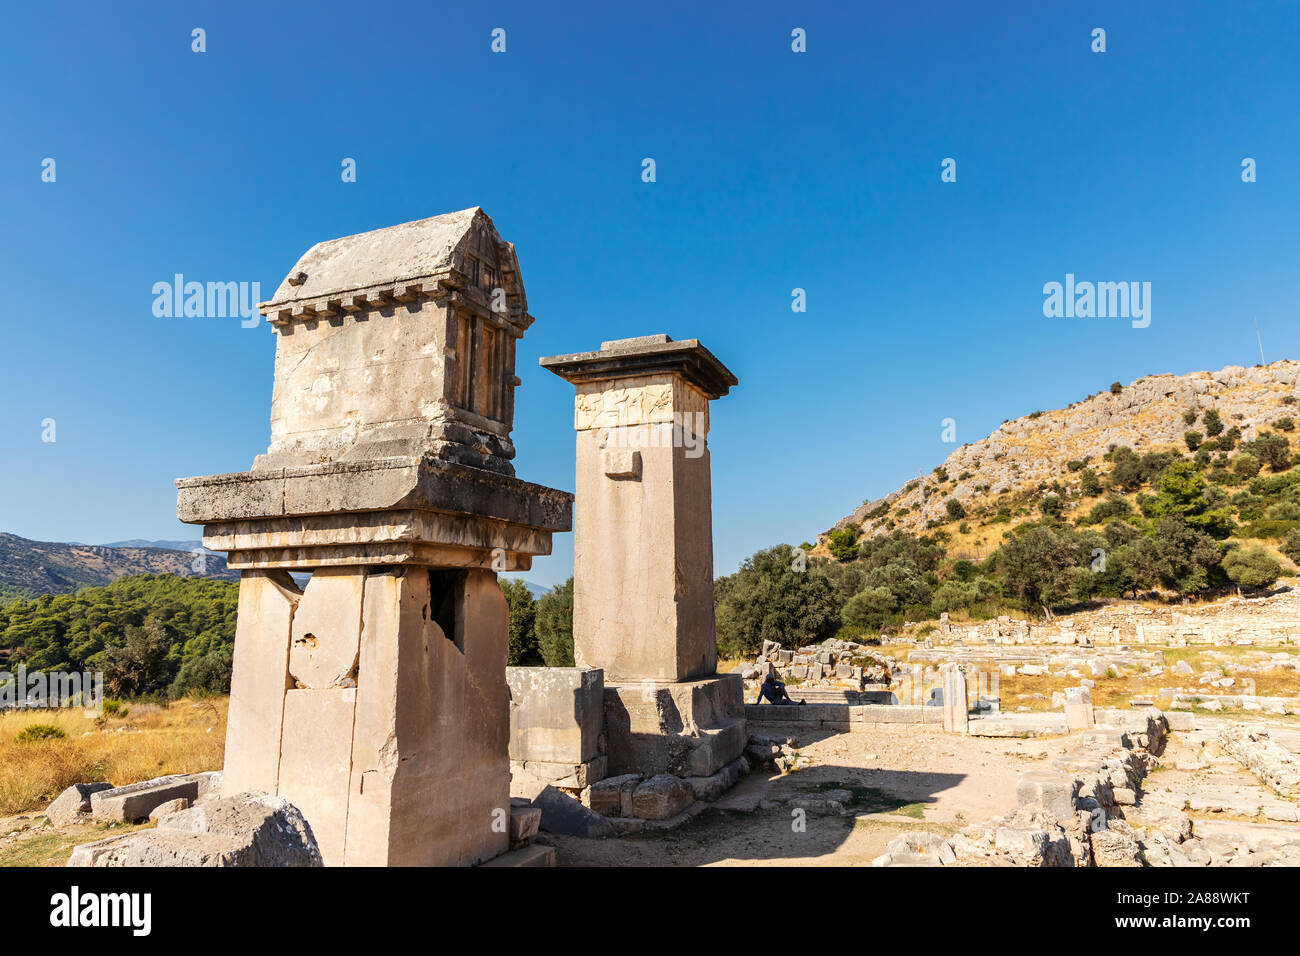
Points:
[(956, 710), (643, 553), (1078, 708), (375, 698)]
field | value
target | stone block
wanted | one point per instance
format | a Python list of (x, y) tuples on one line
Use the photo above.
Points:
[(73, 804), (556, 713), (326, 633), (164, 810), (1079, 714), (524, 823), (136, 801), (316, 762), (563, 814), (245, 830), (1057, 792), (612, 797), (660, 797)]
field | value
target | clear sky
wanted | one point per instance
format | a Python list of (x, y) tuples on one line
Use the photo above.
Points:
[(775, 170)]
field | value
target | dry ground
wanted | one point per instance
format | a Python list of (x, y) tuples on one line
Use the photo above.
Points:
[(903, 777), (148, 741)]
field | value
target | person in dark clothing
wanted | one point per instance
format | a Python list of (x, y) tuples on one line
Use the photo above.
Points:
[(774, 691)]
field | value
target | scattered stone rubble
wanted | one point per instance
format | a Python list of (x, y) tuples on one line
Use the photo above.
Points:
[(830, 664)]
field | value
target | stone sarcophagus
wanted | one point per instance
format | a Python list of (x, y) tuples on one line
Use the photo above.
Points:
[(375, 697)]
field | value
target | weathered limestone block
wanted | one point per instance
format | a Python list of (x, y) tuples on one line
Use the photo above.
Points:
[(432, 695), (326, 635), (1079, 713), (136, 801), (315, 761), (73, 804), (956, 716), (244, 830), (612, 797), (556, 713), (689, 729), (660, 797), (258, 681)]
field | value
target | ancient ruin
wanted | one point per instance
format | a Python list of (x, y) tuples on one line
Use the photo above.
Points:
[(375, 699)]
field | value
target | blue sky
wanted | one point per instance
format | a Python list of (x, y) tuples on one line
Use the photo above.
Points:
[(775, 170)]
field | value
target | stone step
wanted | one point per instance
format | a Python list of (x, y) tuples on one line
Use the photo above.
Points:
[(534, 854)]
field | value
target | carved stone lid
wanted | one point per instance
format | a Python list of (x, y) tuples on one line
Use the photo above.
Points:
[(398, 262), (645, 355)]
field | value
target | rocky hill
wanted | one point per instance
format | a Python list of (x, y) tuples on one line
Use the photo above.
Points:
[(30, 568), (1045, 452)]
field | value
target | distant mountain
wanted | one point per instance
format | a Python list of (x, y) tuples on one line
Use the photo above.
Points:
[(142, 543), (536, 590), (31, 568)]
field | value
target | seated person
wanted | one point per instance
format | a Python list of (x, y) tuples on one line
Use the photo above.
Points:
[(774, 691)]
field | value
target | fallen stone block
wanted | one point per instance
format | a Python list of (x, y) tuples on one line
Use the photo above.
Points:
[(612, 797), (246, 830), (660, 797), (524, 824), (1056, 792), (565, 815), (168, 808), (136, 801), (73, 804), (1026, 847), (533, 855)]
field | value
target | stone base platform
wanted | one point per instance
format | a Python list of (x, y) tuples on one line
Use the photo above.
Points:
[(688, 729)]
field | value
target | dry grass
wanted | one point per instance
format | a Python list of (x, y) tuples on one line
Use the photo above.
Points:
[(184, 737)]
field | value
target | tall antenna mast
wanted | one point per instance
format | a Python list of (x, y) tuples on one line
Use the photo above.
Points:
[(1260, 341)]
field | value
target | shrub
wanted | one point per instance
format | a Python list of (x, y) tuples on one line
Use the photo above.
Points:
[(34, 732), (1285, 424), (941, 473), (1116, 388), (1212, 421), (955, 509), (1193, 440), (1089, 483), (1245, 465), (1291, 545), (1052, 505), (1189, 416)]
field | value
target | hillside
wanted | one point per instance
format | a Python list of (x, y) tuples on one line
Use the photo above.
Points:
[(30, 568), (1004, 477)]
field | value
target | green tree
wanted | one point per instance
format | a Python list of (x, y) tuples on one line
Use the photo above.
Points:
[(1089, 483), (1272, 450), (843, 542), (1251, 569), (1052, 506), (1034, 562), (1193, 440), (768, 599), (554, 624), (1291, 545), (869, 608), (955, 509), (139, 664), (524, 651)]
